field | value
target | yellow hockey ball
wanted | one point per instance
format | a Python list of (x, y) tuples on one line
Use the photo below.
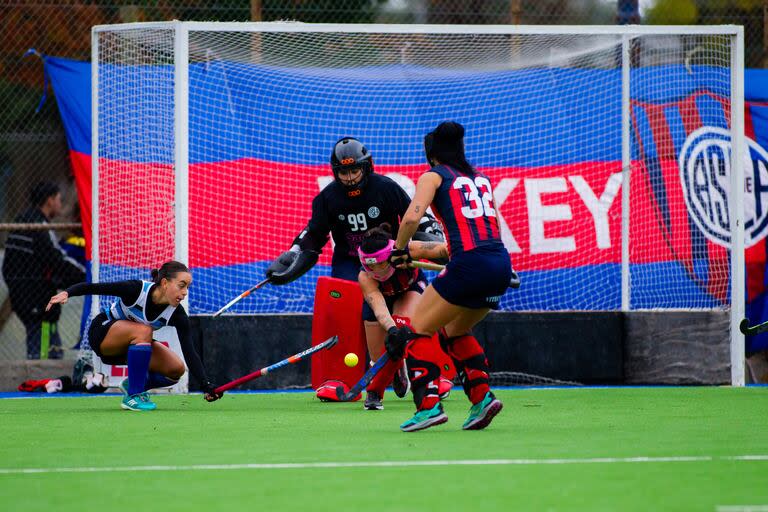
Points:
[(350, 360)]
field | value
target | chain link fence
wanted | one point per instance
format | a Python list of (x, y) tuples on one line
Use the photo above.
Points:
[(32, 142)]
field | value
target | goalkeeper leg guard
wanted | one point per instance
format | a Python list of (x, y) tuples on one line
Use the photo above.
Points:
[(472, 365), (423, 373)]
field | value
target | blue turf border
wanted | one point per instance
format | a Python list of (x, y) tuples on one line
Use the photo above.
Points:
[(19, 394)]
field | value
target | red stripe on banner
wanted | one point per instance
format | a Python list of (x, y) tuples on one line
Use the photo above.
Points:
[(248, 210), (251, 210), (679, 225), (689, 111), (725, 103), (755, 264), (665, 148), (81, 170), (718, 272), (647, 245), (679, 236), (136, 213), (749, 127)]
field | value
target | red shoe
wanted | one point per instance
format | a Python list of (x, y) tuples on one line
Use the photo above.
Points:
[(444, 388)]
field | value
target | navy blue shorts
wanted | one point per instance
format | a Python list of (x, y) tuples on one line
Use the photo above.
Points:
[(419, 285), (475, 279)]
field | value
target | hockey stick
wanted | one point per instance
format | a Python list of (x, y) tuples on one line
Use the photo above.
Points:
[(330, 342), (426, 265), (363, 382), (514, 282), (241, 296), (755, 329)]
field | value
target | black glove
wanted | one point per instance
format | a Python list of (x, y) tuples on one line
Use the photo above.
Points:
[(400, 258), (210, 393), (397, 339), (282, 263), (291, 265)]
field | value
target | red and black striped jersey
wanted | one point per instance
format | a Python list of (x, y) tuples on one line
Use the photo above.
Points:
[(399, 282), (464, 205)]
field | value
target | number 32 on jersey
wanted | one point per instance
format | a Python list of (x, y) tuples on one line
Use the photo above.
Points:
[(479, 194)]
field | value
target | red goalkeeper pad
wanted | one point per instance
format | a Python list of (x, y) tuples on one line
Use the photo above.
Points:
[(337, 311)]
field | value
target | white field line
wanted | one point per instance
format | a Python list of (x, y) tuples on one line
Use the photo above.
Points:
[(742, 508), (381, 464)]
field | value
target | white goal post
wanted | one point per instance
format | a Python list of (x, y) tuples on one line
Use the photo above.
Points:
[(617, 153)]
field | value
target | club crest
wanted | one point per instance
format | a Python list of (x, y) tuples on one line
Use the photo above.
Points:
[(705, 170)]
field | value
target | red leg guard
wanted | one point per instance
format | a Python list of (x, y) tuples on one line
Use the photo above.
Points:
[(470, 359), (384, 377), (423, 373)]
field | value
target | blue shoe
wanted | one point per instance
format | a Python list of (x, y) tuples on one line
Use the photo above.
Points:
[(138, 402), (425, 419), (481, 414)]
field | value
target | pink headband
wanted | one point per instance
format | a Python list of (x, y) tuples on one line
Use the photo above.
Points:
[(379, 256)]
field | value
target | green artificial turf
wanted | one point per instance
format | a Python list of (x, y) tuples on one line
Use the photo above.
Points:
[(544, 442)]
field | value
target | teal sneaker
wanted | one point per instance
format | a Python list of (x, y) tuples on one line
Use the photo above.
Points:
[(481, 414), (138, 402), (124, 387), (124, 390), (425, 419)]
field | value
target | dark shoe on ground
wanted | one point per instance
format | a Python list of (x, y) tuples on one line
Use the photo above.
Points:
[(373, 401)]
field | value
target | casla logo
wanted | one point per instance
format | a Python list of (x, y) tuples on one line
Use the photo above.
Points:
[(705, 171)]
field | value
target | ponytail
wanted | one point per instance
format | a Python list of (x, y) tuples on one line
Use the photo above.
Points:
[(168, 270), (446, 144)]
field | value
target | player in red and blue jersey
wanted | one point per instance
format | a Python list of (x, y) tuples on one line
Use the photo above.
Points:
[(390, 293), (476, 276)]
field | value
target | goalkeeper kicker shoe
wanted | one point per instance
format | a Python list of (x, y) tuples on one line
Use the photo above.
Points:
[(425, 419), (138, 402), (481, 414)]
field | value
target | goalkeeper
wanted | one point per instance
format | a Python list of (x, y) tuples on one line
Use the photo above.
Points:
[(357, 200), (122, 333)]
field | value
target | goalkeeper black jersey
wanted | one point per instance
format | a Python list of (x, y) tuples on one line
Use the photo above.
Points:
[(347, 217)]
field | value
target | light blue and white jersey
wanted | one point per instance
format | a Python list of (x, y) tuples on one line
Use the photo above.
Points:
[(137, 312)]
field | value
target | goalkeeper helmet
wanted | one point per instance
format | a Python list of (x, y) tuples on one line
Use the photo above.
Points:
[(349, 155)]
